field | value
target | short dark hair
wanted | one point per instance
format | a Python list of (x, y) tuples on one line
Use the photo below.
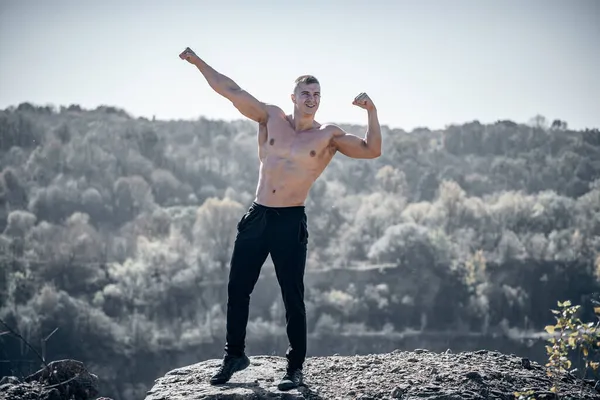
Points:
[(306, 79)]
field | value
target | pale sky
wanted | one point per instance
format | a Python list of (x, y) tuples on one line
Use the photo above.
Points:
[(424, 63)]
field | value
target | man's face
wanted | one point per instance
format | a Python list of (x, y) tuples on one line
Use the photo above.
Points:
[(307, 98)]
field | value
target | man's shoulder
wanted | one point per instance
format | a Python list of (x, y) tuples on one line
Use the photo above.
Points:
[(334, 129), (273, 110)]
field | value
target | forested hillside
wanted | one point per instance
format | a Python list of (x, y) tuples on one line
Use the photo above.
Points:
[(118, 232)]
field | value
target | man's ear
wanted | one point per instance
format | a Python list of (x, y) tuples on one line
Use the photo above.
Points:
[(293, 97)]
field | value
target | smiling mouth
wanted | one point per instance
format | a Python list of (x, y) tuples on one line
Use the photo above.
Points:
[(310, 106)]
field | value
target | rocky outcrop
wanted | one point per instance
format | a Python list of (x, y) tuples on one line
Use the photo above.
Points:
[(62, 379), (420, 374)]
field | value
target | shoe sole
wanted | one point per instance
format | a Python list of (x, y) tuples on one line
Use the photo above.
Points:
[(245, 364), (285, 387), (288, 386)]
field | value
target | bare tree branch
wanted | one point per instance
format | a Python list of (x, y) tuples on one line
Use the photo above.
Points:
[(31, 347)]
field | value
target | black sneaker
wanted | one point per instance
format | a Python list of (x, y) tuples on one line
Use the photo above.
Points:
[(291, 379), (231, 364)]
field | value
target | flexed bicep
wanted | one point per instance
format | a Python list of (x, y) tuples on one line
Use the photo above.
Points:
[(368, 146), (352, 146)]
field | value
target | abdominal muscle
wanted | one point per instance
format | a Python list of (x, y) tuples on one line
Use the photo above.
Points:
[(283, 182)]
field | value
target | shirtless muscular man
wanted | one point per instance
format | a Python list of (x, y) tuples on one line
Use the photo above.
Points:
[(293, 150)]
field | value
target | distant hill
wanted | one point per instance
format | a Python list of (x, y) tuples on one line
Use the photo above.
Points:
[(118, 230)]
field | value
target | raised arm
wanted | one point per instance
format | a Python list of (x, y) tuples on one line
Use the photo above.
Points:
[(353, 146), (226, 87)]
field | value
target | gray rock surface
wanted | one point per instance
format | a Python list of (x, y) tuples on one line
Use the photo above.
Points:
[(399, 375)]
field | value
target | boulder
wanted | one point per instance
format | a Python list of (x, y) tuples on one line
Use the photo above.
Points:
[(419, 374)]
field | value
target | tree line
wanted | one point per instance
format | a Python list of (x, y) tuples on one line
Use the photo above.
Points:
[(118, 230)]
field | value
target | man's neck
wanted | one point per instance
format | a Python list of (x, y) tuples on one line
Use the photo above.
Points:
[(303, 122)]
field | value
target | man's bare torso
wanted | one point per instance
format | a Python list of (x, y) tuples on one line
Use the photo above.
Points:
[(290, 161)]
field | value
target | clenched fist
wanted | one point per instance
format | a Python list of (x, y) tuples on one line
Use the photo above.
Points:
[(188, 55), (364, 101)]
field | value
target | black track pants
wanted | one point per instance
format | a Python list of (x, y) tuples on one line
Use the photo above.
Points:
[(283, 233)]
